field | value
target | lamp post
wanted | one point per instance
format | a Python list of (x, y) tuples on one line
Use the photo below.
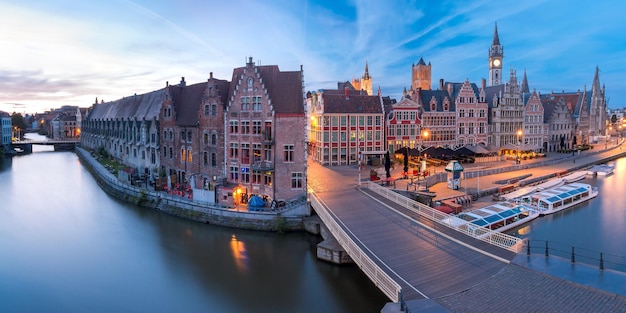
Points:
[(519, 143)]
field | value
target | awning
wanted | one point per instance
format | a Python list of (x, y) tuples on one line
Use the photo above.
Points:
[(454, 166)]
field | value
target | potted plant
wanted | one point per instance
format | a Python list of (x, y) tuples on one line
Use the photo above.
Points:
[(373, 175)]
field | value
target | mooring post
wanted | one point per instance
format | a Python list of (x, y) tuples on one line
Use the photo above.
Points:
[(573, 258), (528, 247), (601, 262), (547, 248)]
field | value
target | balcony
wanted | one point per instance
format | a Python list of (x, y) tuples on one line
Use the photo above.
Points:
[(262, 166)]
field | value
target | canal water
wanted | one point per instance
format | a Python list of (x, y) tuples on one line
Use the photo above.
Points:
[(66, 246), (597, 226)]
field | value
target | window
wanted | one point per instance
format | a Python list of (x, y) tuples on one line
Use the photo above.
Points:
[(171, 152), (214, 109), (234, 127), (256, 127), (256, 103), (234, 149), (288, 153), (205, 158), (182, 154), (207, 109), (182, 135), (245, 103), (461, 128), (189, 154), (245, 174), (461, 113), (205, 138), (234, 173), (213, 159), (245, 153), (213, 139), (256, 177), (256, 152), (471, 113), (268, 178), (189, 136), (296, 180), (245, 127)]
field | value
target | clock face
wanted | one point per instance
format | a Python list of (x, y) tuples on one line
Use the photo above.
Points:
[(496, 62)]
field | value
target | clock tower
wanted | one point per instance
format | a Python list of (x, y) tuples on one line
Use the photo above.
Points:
[(496, 55)]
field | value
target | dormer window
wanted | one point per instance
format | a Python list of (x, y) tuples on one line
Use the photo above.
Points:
[(250, 82)]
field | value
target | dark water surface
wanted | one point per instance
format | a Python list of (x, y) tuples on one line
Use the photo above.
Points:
[(597, 226), (66, 246)]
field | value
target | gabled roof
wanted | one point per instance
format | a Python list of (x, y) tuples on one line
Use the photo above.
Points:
[(187, 101), (357, 104), (439, 95), (284, 88), (146, 106), (491, 91)]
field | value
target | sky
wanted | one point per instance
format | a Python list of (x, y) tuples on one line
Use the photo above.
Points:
[(70, 52)]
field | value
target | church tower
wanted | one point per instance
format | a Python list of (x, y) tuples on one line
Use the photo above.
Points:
[(496, 56), (365, 83), (597, 107), (421, 76)]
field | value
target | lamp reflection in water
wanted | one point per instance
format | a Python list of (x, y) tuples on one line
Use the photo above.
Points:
[(238, 248)]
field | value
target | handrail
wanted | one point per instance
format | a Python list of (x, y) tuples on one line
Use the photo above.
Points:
[(379, 277), (485, 234), (576, 254)]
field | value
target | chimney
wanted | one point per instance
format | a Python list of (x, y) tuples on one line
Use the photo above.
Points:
[(450, 89), (211, 75), (484, 83), (440, 83), (182, 81), (346, 92)]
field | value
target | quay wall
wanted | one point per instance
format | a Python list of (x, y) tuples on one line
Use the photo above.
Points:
[(289, 219)]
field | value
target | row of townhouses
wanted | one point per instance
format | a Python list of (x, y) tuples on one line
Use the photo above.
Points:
[(6, 132), (347, 124), (225, 140)]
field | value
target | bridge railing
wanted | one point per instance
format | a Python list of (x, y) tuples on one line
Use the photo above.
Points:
[(379, 277), (487, 235)]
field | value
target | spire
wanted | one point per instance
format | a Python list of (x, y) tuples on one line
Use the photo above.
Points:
[(367, 72), (595, 86), (525, 88), (496, 39), (421, 62)]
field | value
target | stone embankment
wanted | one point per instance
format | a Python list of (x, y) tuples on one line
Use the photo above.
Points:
[(288, 219)]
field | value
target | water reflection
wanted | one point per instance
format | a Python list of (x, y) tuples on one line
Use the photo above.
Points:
[(72, 248), (598, 225)]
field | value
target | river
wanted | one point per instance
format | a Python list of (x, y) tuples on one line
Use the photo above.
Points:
[(594, 227), (66, 246)]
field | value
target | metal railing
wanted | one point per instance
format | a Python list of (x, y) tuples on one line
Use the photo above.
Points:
[(487, 235), (379, 277), (576, 255)]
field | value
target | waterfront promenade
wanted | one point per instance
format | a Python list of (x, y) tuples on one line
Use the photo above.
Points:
[(520, 284)]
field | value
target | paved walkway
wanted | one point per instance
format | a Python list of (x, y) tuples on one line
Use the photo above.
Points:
[(530, 283)]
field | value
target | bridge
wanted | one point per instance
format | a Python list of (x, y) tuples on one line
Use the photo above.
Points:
[(421, 264), (59, 145)]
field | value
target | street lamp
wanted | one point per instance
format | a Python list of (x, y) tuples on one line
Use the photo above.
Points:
[(519, 143)]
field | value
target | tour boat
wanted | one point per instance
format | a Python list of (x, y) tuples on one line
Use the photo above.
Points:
[(500, 217), (559, 198)]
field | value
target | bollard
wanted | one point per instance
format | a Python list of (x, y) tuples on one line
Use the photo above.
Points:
[(547, 248), (601, 262), (528, 248), (573, 258)]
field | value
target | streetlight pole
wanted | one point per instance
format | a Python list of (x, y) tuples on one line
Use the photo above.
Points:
[(519, 143)]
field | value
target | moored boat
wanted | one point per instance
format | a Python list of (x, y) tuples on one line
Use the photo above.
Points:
[(500, 217), (559, 198), (574, 177)]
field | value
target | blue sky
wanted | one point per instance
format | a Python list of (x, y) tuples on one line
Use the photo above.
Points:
[(58, 52)]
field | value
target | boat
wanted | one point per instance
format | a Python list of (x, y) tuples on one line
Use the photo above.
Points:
[(600, 170), (574, 177), (559, 198), (500, 217), (550, 184), (605, 170)]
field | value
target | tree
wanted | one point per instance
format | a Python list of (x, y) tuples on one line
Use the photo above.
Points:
[(17, 120)]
